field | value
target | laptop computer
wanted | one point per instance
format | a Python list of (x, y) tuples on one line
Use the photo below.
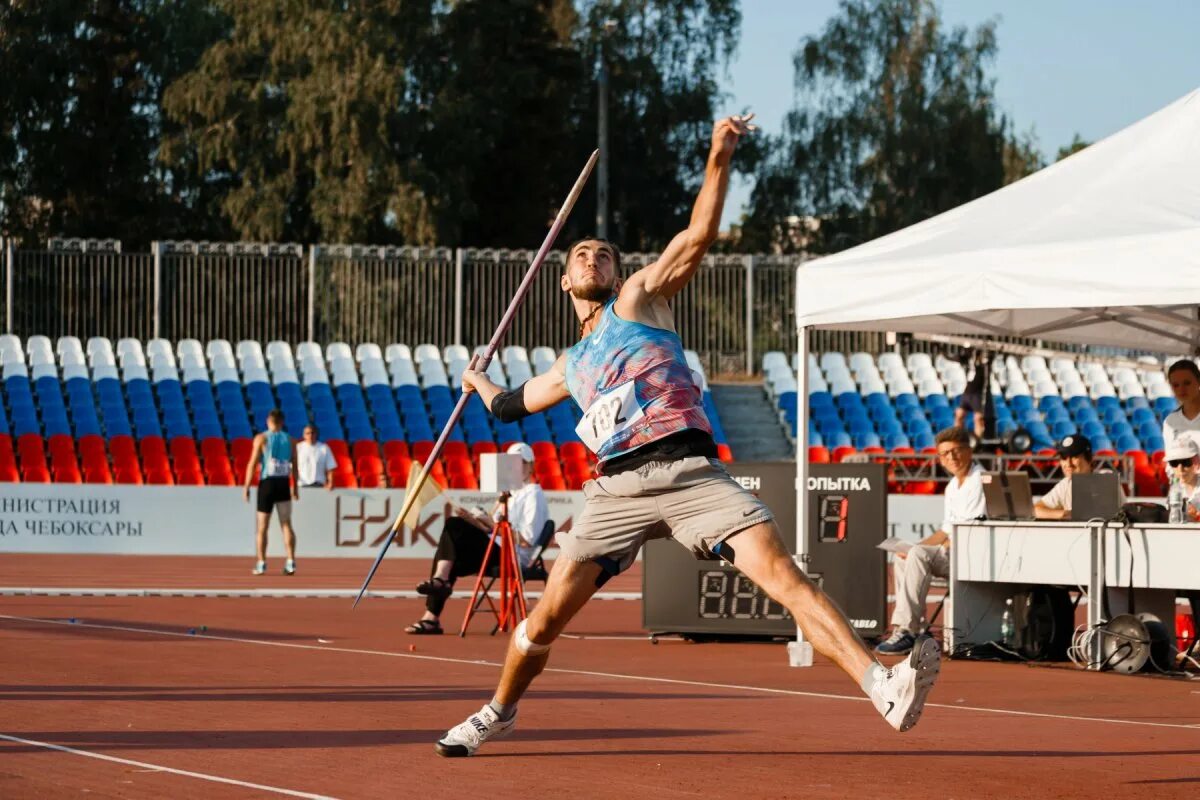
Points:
[(1095, 496), (1007, 495)]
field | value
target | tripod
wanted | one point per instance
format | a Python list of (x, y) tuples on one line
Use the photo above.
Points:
[(512, 590)]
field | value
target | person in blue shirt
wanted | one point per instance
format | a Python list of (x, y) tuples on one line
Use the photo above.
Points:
[(274, 456)]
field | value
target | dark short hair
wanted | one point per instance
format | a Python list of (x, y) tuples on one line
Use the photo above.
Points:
[(1187, 365), (313, 427), (956, 434), (616, 250), (275, 415)]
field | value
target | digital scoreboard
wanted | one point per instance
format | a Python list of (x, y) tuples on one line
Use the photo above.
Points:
[(847, 519)]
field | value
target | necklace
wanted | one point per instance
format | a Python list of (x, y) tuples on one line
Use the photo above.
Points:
[(588, 319)]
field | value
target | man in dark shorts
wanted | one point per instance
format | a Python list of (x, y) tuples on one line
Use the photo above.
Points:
[(659, 476), (274, 456)]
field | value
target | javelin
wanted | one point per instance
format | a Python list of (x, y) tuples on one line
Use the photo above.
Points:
[(481, 363)]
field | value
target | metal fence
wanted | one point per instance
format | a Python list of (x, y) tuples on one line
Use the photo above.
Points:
[(734, 310)]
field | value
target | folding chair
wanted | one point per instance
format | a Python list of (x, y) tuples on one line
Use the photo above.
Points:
[(536, 571)]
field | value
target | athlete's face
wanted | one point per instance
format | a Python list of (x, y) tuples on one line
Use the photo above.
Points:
[(591, 271)]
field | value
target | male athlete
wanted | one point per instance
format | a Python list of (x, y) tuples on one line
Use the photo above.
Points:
[(659, 475)]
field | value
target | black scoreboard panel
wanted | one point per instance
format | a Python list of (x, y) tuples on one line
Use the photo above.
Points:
[(683, 594), (848, 518)]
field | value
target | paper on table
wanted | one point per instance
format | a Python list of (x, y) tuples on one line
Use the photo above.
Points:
[(895, 545)]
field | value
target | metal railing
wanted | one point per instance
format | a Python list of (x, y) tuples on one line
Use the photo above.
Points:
[(736, 308)]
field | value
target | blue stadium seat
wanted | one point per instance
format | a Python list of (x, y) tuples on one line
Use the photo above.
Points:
[(865, 439)]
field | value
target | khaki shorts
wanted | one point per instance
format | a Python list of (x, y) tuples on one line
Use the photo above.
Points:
[(693, 501)]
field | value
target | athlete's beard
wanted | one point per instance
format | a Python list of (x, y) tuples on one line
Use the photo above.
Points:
[(592, 292)]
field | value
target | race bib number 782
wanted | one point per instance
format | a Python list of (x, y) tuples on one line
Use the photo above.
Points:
[(610, 414)]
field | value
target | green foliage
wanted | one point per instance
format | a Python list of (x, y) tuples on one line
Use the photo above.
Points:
[(79, 110), (1076, 144), (895, 121)]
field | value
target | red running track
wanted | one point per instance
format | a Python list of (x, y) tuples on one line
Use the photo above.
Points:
[(302, 697)]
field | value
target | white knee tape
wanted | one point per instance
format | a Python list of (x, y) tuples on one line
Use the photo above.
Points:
[(525, 644)]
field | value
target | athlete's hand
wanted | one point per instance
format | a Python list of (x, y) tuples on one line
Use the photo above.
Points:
[(727, 132), (296, 493), (471, 380)]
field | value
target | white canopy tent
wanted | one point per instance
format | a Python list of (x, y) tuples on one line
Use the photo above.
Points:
[(1100, 248)]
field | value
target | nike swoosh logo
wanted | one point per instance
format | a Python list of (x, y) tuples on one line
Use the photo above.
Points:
[(891, 705), (751, 511)]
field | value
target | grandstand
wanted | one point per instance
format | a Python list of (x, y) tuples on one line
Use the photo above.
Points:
[(186, 413), (894, 404)]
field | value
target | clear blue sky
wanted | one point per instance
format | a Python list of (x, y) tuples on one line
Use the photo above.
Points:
[(1063, 66)]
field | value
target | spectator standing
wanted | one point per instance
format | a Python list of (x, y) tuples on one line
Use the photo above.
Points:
[(1184, 377), (315, 462)]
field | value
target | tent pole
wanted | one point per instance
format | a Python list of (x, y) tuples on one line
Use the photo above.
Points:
[(800, 652)]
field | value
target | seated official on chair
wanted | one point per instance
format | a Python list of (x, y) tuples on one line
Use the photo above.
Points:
[(1075, 458), (929, 558), (464, 542)]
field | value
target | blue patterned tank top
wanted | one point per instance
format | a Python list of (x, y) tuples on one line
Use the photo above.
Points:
[(276, 455), (634, 385)]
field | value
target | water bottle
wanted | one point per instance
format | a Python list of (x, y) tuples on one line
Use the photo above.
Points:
[(1175, 503), (1007, 627)]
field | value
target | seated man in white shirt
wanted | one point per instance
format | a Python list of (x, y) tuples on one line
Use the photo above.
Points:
[(315, 462), (464, 542), (929, 558), (1075, 458)]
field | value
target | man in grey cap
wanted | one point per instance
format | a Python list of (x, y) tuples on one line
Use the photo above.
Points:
[(465, 537)]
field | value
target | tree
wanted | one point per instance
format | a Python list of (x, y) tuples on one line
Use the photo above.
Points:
[(79, 104), (663, 57), (895, 122), (1077, 143)]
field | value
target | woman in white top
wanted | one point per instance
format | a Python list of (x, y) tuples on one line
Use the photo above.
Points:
[(1184, 377)]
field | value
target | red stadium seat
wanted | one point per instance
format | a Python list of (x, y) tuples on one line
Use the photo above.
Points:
[(220, 477), (421, 450), (395, 448), (159, 476), (92, 449), (35, 473), (547, 467), (9, 473), (575, 482), (456, 450), (241, 448), (397, 478), (212, 447), (6, 443), (553, 483), (573, 450), (724, 453), (67, 474), (371, 481), (544, 450), (920, 487), (369, 467), (479, 448), (189, 477), (122, 448), (60, 445), (839, 453), (97, 472), (818, 455), (153, 449), (31, 450), (344, 480), (463, 481), (364, 447), (184, 448), (127, 473)]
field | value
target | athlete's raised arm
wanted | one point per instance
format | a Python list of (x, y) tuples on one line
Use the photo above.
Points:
[(678, 262), (536, 394)]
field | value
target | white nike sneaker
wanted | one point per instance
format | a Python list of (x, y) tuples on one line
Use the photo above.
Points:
[(260, 568), (463, 740), (900, 696)]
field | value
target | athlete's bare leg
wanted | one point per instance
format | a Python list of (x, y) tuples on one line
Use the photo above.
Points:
[(759, 553), (570, 585), (978, 425), (260, 535)]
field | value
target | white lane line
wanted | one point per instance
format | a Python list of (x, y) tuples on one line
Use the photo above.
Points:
[(158, 768), (402, 594), (591, 673)]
